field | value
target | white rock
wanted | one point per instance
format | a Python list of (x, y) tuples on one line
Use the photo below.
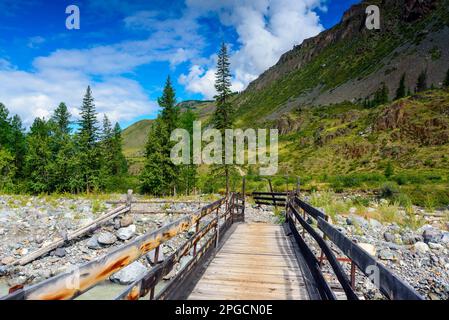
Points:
[(126, 233), (421, 247), (129, 274), (106, 238), (368, 248)]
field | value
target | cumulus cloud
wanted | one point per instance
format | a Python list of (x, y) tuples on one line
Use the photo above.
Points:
[(265, 28), (37, 94)]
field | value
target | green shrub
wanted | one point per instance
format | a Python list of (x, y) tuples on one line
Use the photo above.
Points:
[(389, 190)]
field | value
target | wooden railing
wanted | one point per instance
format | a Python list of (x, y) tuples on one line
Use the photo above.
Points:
[(297, 214), (70, 284)]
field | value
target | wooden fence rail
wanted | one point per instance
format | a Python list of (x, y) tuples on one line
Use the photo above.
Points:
[(71, 284)]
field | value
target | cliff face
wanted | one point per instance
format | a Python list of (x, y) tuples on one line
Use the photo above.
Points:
[(349, 62), (352, 25)]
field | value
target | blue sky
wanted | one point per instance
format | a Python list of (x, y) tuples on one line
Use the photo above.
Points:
[(126, 49)]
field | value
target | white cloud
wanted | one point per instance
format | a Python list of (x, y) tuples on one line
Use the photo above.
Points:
[(266, 29), (37, 94)]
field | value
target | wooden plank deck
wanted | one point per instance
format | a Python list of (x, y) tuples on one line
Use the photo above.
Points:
[(257, 262)]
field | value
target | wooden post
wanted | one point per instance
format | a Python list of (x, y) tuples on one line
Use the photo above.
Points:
[(352, 275), (243, 197), (129, 198), (271, 190), (217, 229), (298, 186), (197, 228)]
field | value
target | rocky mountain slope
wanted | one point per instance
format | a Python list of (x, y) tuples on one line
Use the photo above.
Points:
[(349, 62)]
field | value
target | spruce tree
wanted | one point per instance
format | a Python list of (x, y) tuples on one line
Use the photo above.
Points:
[(160, 175), (39, 158), (61, 118), (18, 145), (421, 84), (88, 123), (167, 102), (88, 143), (223, 116), (400, 92)]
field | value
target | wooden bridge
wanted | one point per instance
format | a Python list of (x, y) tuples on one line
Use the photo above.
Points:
[(231, 259)]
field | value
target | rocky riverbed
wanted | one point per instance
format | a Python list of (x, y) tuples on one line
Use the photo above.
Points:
[(420, 257)]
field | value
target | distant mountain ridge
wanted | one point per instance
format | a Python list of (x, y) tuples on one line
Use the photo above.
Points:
[(349, 62)]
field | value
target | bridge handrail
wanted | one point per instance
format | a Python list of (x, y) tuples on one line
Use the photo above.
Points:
[(70, 284), (387, 282), (147, 282), (336, 266)]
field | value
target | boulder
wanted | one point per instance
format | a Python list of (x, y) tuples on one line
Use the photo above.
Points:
[(411, 238), (60, 252), (445, 237), (431, 235), (371, 249), (106, 238), (375, 223), (127, 232), (129, 274), (160, 258), (93, 243), (7, 260), (126, 221), (357, 220), (389, 237), (421, 247), (387, 254), (3, 271)]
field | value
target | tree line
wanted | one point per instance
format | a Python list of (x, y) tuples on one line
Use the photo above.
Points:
[(59, 155), (381, 95)]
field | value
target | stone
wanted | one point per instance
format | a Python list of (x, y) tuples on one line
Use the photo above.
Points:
[(23, 252), (126, 221), (435, 246), (106, 238), (387, 254), (127, 232), (93, 243), (389, 237), (358, 220), (371, 249), (60, 252), (17, 281), (160, 258), (3, 271), (375, 223), (7, 260), (421, 247), (44, 274), (129, 274), (445, 237), (411, 239), (431, 235)]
